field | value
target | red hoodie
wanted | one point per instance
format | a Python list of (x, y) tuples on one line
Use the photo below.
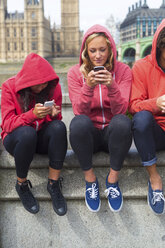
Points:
[(100, 103), (148, 83), (35, 70)]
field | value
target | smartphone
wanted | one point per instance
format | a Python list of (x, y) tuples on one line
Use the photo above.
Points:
[(49, 103), (98, 68)]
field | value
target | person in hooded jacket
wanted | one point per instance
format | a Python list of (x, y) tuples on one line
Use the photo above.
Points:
[(29, 127), (147, 104), (100, 100)]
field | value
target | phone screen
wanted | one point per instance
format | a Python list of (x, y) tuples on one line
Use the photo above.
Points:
[(49, 103), (98, 68)]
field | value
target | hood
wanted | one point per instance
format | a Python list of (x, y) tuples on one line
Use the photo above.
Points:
[(35, 70), (98, 29), (154, 42)]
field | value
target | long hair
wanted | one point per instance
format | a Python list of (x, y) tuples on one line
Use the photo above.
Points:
[(87, 66), (27, 96), (160, 43)]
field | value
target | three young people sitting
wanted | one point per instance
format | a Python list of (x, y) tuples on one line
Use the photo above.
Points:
[(99, 100)]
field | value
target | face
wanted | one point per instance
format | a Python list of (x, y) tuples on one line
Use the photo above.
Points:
[(98, 51), (162, 55), (38, 88)]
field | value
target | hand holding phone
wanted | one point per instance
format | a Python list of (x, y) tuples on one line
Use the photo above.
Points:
[(49, 103)]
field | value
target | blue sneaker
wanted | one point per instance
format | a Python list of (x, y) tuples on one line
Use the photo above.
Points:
[(155, 200), (92, 198), (114, 195)]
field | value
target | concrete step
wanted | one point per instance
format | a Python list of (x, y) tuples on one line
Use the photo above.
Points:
[(100, 159), (134, 227), (133, 183)]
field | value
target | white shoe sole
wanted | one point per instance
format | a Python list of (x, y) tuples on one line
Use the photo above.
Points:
[(94, 211), (113, 210)]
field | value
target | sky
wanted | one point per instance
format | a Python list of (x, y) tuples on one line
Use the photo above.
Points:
[(91, 11)]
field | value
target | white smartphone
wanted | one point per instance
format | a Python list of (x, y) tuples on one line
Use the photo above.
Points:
[(49, 103)]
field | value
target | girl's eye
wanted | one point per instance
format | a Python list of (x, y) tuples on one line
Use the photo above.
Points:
[(102, 50), (92, 51)]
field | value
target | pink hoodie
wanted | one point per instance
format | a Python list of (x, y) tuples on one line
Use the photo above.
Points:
[(100, 103)]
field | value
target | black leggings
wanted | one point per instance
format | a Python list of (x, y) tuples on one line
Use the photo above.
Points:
[(115, 139), (24, 141)]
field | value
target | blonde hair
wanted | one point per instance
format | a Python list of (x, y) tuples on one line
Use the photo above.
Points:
[(87, 66)]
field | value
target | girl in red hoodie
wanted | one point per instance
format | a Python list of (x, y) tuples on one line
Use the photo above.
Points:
[(28, 127), (100, 100)]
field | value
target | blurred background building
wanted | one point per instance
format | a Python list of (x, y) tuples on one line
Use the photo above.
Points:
[(30, 31), (137, 30)]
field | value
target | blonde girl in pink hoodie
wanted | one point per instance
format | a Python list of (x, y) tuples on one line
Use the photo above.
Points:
[(100, 99)]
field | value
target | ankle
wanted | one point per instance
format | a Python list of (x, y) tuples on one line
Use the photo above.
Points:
[(90, 176), (51, 181), (113, 177), (21, 180), (156, 182)]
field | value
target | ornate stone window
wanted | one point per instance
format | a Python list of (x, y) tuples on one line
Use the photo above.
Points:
[(58, 47), (155, 24), (15, 32), (21, 32), (33, 15), (22, 46), (149, 26), (33, 32), (8, 32), (29, 2), (34, 45), (58, 36), (15, 46)]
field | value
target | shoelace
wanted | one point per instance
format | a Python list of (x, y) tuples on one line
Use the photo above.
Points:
[(157, 196), (113, 192), (93, 191)]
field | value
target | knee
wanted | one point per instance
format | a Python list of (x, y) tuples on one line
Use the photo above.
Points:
[(142, 121), (80, 125), (57, 126), (27, 135), (121, 123)]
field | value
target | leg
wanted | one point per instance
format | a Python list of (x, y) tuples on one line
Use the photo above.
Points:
[(84, 139), (52, 139), (118, 136), (21, 144), (149, 137), (118, 139)]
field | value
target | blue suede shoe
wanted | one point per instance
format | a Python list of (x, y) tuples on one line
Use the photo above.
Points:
[(114, 195), (155, 200), (92, 197)]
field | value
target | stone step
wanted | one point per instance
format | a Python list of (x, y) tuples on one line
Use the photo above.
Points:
[(135, 226), (71, 161), (133, 183)]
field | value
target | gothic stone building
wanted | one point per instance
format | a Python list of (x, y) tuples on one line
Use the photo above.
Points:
[(23, 33)]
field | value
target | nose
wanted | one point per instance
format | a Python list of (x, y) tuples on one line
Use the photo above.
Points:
[(98, 54)]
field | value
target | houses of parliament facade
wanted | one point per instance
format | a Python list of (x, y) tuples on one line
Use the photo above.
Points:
[(30, 31)]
